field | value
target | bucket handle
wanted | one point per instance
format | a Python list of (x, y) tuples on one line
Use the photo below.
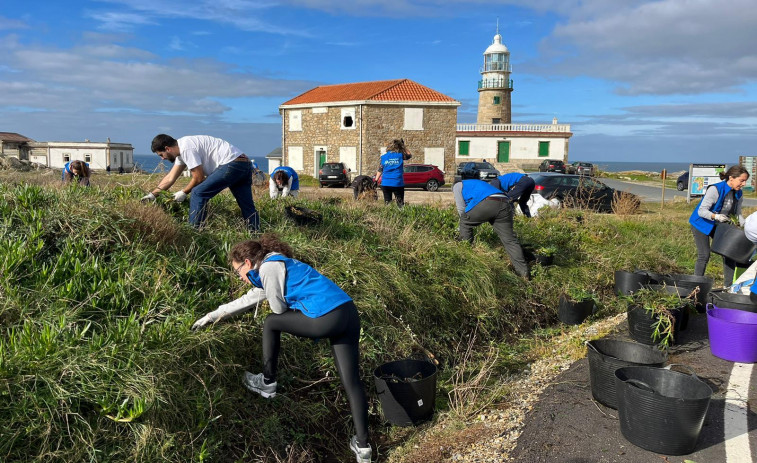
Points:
[(688, 369), (640, 384)]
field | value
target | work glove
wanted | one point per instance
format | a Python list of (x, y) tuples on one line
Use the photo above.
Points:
[(720, 218), (179, 196), (148, 197), (201, 323)]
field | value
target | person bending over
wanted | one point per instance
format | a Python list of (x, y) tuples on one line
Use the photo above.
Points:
[(284, 182)]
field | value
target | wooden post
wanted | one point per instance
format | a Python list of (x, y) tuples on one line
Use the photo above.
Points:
[(663, 175)]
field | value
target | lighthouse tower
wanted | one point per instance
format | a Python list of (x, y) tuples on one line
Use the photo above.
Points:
[(495, 87)]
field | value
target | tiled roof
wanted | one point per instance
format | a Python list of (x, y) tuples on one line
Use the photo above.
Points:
[(382, 90), (13, 137)]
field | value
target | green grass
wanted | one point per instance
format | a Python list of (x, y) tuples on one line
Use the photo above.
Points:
[(98, 293)]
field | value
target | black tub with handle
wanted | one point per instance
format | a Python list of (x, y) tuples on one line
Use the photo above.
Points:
[(606, 356), (661, 410), (730, 241), (406, 390), (630, 282), (701, 284), (574, 312), (641, 323), (725, 300)]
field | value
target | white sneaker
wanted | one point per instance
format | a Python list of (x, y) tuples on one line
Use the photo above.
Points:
[(363, 454), (255, 383)]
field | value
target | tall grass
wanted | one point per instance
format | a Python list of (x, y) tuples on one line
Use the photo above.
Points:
[(98, 293)]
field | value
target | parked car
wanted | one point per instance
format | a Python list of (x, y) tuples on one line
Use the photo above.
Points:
[(552, 165), (574, 190), (581, 168), (482, 170), (426, 176), (683, 181), (334, 173)]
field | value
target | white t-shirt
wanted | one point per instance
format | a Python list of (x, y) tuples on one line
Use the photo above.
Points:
[(208, 152), (750, 227)]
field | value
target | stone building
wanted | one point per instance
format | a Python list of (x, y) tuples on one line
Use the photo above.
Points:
[(15, 146), (494, 137), (353, 123)]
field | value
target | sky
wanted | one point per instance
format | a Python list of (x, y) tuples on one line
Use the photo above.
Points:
[(637, 80)]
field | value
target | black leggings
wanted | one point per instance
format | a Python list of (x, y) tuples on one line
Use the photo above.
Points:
[(702, 242), (399, 194), (342, 327)]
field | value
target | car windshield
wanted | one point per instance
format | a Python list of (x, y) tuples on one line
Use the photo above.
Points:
[(331, 166), (484, 165)]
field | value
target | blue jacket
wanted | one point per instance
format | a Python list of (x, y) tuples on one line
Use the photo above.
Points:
[(507, 181), (475, 191), (706, 225), (67, 168), (290, 173), (305, 289), (393, 164)]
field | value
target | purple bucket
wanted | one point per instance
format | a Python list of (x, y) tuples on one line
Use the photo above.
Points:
[(733, 334)]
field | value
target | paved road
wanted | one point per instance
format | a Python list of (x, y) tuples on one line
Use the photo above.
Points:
[(654, 193), (568, 426)]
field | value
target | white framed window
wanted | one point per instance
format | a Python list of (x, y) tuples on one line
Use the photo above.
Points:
[(348, 119), (295, 121), (294, 155), (434, 156), (87, 157), (348, 155), (66, 157), (413, 119)]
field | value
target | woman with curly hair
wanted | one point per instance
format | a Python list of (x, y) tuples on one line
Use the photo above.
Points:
[(306, 304)]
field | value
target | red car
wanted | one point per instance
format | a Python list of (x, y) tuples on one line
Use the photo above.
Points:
[(425, 176)]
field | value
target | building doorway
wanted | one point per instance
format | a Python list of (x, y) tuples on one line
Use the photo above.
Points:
[(503, 151)]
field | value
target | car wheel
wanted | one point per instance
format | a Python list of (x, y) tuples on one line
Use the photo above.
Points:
[(432, 185), (680, 186)]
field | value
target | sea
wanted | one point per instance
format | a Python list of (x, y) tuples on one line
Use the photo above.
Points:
[(152, 163)]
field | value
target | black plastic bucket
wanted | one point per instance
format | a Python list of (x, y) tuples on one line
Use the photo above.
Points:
[(606, 356), (691, 282), (574, 312), (641, 324), (661, 410), (730, 241), (726, 300), (684, 293), (629, 282), (406, 391)]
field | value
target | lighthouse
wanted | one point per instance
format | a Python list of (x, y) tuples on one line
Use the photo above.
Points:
[(495, 87)]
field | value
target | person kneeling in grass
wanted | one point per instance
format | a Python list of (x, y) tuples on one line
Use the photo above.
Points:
[(306, 304)]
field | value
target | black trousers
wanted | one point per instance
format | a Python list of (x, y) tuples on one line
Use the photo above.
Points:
[(399, 194), (702, 242), (342, 328)]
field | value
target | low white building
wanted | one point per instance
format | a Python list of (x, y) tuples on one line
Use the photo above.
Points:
[(99, 155)]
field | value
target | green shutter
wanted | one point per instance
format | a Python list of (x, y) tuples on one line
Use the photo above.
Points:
[(503, 151), (463, 148), (543, 149)]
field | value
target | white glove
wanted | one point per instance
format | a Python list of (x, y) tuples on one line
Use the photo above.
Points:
[(148, 197), (720, 218), (201, 323), (179, 196)]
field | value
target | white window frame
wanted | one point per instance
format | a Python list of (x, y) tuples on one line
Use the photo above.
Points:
[(294, 158), (345, 113), (87, 157), (66, 157), (295, 121), (413, 119)]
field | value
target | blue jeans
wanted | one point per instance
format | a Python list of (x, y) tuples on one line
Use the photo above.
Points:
[(237, 177)]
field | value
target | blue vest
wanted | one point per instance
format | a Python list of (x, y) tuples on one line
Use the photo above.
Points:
[(706, 225), (291, 173), (508, 181), (475, 191), (392, 164), (305, 289), (67, 168)]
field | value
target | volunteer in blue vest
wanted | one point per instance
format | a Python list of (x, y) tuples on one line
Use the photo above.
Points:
[(518, 187), (720, 201), (390, 170), (478, 202), (305, 304), (76, 171), (284, 182), (214, 165)]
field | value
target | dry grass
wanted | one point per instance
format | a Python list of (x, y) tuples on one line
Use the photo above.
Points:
[(151, 224), (624, 203)]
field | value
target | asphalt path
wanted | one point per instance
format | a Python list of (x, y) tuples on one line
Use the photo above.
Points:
[(568, 426), (654, 193)]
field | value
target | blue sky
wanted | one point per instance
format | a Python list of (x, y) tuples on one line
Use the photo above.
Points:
[(669, 80)]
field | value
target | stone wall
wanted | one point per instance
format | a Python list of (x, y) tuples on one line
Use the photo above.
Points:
[(487, 110)]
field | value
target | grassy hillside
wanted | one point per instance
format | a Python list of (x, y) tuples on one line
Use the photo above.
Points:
[(98, 293)]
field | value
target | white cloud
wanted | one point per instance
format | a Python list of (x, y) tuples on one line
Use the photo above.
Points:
[(7, 23)]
